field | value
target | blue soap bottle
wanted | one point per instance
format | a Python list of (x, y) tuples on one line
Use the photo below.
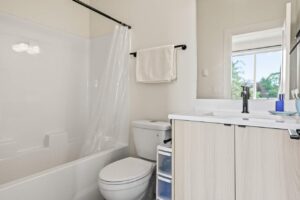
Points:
[(280, 103)]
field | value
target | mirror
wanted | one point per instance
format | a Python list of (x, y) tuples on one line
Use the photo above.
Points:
[(246, 42), (295, 47)]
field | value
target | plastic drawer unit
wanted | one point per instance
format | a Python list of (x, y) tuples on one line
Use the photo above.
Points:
[(164, 173)]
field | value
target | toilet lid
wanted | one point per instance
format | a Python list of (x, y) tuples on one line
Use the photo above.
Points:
[(124, 170)]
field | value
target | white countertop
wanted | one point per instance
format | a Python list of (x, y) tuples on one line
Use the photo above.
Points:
[(234, 118)]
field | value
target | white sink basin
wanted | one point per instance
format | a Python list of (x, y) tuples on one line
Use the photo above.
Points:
[(246, 117)]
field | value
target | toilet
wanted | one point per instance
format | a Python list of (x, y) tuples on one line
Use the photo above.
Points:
[(128, 179)]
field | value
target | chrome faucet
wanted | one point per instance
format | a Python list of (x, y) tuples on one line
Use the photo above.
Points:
[(246, 96)]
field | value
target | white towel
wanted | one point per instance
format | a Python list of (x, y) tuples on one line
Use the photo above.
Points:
[(156, 65)]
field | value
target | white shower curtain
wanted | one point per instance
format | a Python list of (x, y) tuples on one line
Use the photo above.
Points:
[(109, 117)]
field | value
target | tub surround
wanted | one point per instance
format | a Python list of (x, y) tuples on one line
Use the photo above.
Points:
[(56, 150), (41, 93), (257, 119)]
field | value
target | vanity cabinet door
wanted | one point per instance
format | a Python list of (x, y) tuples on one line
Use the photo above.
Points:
[(267, 164), (203, 161)]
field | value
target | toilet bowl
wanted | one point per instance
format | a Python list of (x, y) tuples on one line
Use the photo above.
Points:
[(126, 179)]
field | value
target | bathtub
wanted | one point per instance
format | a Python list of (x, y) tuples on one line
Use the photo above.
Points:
[(76, 180)]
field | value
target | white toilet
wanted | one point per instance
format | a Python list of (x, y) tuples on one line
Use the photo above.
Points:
[(128, 179)]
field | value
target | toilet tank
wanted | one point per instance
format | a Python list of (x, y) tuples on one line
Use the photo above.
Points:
[(147, 135)]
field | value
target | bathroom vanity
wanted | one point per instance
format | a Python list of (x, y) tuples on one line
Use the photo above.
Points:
[(229, 156)]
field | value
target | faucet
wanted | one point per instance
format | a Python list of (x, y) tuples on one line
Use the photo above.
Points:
[(246, 96)]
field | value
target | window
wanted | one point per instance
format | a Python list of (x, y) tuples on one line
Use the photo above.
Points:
[(260, 69)]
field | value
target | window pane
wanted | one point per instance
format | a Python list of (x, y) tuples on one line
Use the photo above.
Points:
[(242, 73), (268, 72)]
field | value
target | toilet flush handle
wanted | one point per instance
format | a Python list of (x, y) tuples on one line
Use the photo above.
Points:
[(167, 141)]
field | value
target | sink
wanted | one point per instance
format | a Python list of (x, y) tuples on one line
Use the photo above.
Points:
[(257, 117)]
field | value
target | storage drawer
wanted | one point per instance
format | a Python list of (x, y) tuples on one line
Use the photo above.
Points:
[(165, 163), (164, 188)]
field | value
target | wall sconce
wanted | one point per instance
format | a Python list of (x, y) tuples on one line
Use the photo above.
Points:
[(24, 47)]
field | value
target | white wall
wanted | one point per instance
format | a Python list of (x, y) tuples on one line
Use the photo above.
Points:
[(63, 15)]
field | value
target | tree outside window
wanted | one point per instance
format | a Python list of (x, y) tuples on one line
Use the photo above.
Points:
[(261, 70)]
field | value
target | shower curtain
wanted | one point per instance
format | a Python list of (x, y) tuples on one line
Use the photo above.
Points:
[(109, 117)]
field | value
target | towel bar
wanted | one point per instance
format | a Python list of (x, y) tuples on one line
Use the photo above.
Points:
[(182, 46)]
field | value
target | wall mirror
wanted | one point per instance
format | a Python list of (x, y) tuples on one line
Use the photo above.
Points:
[(247, 42)]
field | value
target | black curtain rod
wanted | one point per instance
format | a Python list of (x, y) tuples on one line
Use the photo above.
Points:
[(294, 47), (298, 34), (182, 46), (298, 42), (101, 13)]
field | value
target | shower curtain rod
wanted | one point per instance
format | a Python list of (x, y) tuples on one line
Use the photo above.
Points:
[(298, 42), (101, 13)]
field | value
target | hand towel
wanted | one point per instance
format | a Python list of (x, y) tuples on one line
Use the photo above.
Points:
[(156, 65)]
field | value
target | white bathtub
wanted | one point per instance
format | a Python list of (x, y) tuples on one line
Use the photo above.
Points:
[(75, 180)]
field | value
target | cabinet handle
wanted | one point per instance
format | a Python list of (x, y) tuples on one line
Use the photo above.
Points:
[(242, 126), (294, 134), (227, 124)]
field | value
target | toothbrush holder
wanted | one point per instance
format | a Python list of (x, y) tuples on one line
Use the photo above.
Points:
[(298, 106)]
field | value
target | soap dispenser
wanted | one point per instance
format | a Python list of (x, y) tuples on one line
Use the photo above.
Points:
[(280, 103)]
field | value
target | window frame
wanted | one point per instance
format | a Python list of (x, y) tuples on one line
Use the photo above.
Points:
[(254, 52)]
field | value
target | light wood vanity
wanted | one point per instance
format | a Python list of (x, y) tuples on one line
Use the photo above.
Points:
[(222, 161)]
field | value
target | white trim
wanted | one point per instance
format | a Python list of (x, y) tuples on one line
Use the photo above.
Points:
[(254, 76), (257, 51), (286, 46)]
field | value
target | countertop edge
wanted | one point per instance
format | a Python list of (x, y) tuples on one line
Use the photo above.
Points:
[(209, 119)]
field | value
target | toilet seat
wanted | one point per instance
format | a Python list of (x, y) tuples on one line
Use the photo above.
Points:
[(125, 171)]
